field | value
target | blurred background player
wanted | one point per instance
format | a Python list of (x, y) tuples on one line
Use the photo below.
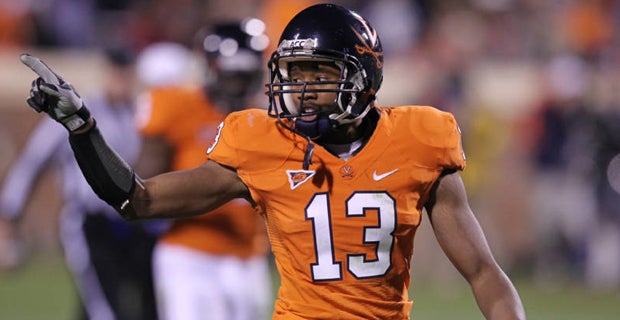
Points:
[(163, 64), (113, 279), (214, 266)]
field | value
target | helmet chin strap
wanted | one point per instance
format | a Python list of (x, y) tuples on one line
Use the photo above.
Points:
[(313, 130), (323, 127), (308, 154)]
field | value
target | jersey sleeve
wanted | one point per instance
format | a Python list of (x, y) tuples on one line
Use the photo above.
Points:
[(439, 132), (243, 141), (454, 155), (224, 148)]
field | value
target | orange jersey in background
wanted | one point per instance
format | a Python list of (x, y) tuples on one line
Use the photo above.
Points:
[(188, 122), (342, 232)]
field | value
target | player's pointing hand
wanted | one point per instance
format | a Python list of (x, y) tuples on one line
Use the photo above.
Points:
[(55, 96)]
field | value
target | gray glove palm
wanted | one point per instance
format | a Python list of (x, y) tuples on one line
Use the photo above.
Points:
[(50, 93)]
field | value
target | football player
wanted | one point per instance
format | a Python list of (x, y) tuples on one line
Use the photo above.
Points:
[(341, 182), (197, 261)]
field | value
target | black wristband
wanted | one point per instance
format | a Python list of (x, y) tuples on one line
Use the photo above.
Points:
[(77, 120)]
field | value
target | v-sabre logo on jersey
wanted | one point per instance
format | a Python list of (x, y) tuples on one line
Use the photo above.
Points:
[(297, 177), (382, 176)]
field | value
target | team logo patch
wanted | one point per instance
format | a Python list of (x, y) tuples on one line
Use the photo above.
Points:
[(297, 177), (346, 172)]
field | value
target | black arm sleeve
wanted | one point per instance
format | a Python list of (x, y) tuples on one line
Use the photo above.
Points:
[(112, 179)]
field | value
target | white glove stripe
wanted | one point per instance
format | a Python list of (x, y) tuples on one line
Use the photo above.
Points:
[(39, 68)]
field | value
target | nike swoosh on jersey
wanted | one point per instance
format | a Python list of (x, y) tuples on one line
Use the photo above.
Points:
[(378, 177)]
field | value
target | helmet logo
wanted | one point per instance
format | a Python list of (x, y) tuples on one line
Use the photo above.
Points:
[(297, 44), (370, 43)]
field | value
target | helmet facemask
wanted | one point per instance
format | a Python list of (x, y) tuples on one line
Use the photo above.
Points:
[(351, 103)]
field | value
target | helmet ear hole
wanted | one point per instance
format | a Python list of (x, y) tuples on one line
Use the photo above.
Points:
[(361, 103)]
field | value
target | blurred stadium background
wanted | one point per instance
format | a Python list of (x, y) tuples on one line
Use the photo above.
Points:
[(534, 85)]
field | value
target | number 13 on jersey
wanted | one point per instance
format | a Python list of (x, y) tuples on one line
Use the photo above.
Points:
[(380, 236)]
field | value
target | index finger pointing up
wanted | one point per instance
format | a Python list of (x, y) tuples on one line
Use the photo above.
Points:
[(40, 68)]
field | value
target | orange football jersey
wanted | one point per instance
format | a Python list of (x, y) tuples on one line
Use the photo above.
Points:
[(188, 122), (342, 231)]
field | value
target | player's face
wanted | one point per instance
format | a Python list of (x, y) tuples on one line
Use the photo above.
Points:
[(312, 71)]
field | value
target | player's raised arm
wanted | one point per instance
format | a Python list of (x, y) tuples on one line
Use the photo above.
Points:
[(176, 194)]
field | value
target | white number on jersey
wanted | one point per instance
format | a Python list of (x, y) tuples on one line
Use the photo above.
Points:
[(382, 236)]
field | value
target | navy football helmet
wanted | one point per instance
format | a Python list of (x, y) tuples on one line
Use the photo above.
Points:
[(334, 34), (234, 56)]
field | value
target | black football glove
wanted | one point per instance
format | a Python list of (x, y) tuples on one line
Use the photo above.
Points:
[(50, 93)]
